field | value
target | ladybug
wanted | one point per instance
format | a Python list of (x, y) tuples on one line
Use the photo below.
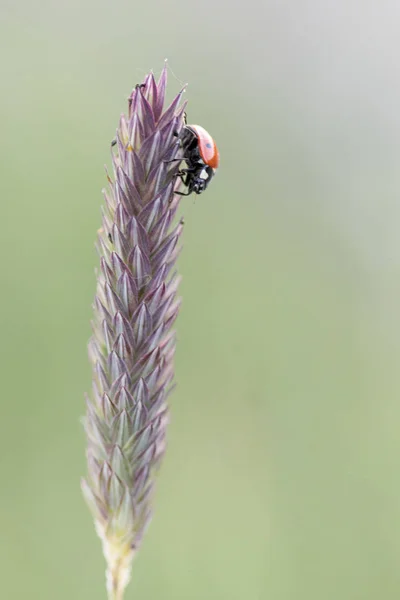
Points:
[(201, 155)]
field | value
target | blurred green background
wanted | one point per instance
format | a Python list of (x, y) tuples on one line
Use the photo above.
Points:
[(282, 475)]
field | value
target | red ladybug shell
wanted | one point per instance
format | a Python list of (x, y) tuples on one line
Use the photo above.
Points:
[(207, 147)]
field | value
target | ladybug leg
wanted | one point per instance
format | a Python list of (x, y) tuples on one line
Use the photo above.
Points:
[(184, 177), (185, 182), (173, 160), (179, 174)]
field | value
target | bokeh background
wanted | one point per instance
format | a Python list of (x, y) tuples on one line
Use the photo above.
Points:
[(282, 478)]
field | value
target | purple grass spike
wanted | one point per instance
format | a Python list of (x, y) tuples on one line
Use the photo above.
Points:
[(132, 347)]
